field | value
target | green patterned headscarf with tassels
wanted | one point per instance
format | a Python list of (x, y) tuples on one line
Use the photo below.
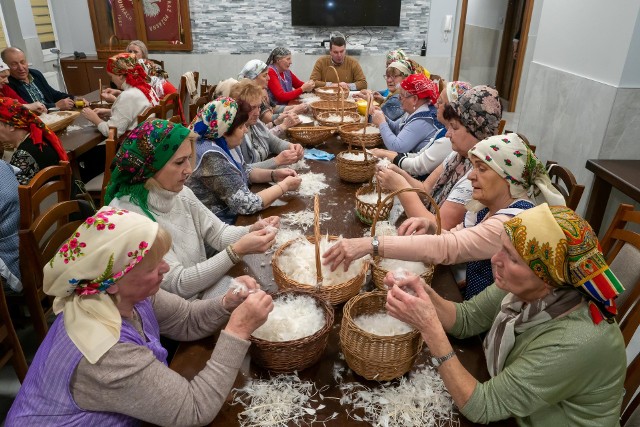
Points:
[(145, 151)]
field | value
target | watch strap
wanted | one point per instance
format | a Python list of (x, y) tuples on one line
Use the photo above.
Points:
[(438, 361), (375, 243)]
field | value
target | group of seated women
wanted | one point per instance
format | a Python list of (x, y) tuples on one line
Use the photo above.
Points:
[(153, 260)]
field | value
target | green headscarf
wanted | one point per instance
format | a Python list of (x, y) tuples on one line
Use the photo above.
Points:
[(145, 151)]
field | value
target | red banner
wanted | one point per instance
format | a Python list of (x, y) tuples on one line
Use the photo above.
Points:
[(123, 24), (162, 20)]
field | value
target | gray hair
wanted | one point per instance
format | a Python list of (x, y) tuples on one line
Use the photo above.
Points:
[(277, 53)]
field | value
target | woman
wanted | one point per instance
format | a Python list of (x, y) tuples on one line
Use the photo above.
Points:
[(36, 146), (507, 178), (221, 177), (410, 133), (103, 351), (6, 91), (439, 147), (283, 85), (258, 144), (552, 359), (9, 227), (390, 103), (473, 117), (137, 95), (150, 170)]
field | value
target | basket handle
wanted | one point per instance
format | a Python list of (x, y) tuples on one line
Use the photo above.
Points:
[(339, 94), (404, 190), (113, 36), (316, 233)]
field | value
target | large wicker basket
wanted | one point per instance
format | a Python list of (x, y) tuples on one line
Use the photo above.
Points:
[(311, 135), (348, 133), (320, 106), (331, 93), (366, 212), (380, 358), (294, 355), (378, 272), (323, 118), (356, 171)]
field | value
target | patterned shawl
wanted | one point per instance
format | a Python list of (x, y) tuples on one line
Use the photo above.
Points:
[(127, 65)]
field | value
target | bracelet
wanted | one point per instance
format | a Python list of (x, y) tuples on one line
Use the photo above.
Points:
[(272, 178), (281, 189), (233, 255)]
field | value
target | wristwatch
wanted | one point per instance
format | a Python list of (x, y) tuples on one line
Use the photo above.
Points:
[(376, 245), (437, 361)]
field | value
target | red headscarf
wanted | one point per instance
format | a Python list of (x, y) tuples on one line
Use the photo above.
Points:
[(14, 114), (126, 64), (420, 85)]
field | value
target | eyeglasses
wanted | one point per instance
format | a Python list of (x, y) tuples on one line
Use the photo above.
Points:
[(386, 76), (401, 96)]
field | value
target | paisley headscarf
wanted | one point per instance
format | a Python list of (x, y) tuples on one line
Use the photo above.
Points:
[(395, 55), (127, 65), (418, 84), (145, 151), (14, 114), (455, 90), (252, 69), (277, 53), (479, 110), (98, 254)]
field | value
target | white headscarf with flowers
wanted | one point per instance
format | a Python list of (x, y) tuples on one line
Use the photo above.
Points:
[(98, 254)]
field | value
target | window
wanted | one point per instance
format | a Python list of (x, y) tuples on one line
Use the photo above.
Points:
[(44, 23)]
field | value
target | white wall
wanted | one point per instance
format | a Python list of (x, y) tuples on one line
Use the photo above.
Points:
[(631, 72), (73, 26)]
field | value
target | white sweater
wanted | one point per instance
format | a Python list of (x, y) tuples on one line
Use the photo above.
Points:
[(125, 110), (191, 225)]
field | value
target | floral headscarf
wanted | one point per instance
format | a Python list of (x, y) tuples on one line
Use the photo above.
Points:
[(252, 69), (277, 53), (455, 90), (145, 151), (14, 114), (395, 55), (98, 254), (513, 160), (418, 84), (127, 65), (401, 65), (3, 67), (215, 118), (479, 110)]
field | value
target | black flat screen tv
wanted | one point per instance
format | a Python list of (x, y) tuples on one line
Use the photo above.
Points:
[(345, 13)]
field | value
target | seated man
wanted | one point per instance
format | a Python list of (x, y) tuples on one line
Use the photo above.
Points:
[(30, 84), (349, 71)]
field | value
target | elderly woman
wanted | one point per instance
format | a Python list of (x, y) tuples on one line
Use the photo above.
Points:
[(221, 178), (283, 85), (438, 148), (390, 103), (151, 168), (102, 362), (552, 359), (7, 91), (36, 146), (258, 144), (137, 95), (413, 131), (9, 226), (507, 178), (474, 116)]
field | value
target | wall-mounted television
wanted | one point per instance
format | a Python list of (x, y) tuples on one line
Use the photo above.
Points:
[(345, 13)]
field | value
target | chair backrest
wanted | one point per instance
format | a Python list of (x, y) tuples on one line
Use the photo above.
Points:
[(49, 181), (158, 62), (501, 126), (564, 181), (185, 97), (526, 141), (195, 107), (169, 106), (10, 348), (154, 110), (111, 148)]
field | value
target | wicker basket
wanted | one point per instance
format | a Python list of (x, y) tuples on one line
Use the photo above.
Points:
[(335, 294), (366, 212), (374, 357), (294, 355), (65, 119), (378, 272), (311, 135), (348, 135), (323, 118), (320, 106), (331, 93), (355, 170)]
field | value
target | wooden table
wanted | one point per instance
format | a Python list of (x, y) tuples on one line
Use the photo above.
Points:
[(621, 174), (338, 201)]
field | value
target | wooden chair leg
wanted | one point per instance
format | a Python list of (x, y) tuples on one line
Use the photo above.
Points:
[(6, 330)]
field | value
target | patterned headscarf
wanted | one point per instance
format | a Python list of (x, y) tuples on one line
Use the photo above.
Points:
[(3, 67), (395, 55), (401, 65), (513, 160), (455, 90), (14, 114), (562, 249), (418, 84), (127, 65), (417, 68), (98, 254), (145, 151), (252, 69), (277, 53), (215, 118), (479, 110)]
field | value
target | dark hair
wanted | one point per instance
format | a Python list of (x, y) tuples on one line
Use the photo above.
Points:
[(450, 113), (337, 39), (242, 116)]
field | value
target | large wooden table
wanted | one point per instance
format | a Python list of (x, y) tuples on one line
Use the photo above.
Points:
[(621, 174), (338, 201)]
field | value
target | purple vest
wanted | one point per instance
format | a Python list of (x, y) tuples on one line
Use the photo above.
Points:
[(286, 83), (45, 396)]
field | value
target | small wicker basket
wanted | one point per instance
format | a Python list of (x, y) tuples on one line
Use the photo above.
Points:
[(366, 212), (378, 272), (311, 135), (356, 171), (320, 106), (374, 357), (294, 355), (323, 118), (331, 93), (349, 134)]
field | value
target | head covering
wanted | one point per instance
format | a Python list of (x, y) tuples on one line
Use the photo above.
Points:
[(14, 114), (126, 64), (98, 254), (417, 68), (215, 118), (3, 67), (418, 84), (145, 151), (394, 55), (401, 65), (513, 160), (479, 110), (252, 69), (277, 53), (455, 89), (143, 47), (562, 249)]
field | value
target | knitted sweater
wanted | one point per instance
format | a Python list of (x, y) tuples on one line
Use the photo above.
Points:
[(191, 226), (125, 110), (9, 225), (349, 71), (258, 144)]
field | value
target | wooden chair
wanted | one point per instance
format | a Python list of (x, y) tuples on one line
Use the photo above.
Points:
[(185, 97), (38, 244), (158, 62), (156, 111), (526, 141), (49, 181), (501, 126), (194, 108), (10, 348), (96, 186), (170, 106), (564, 181)]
